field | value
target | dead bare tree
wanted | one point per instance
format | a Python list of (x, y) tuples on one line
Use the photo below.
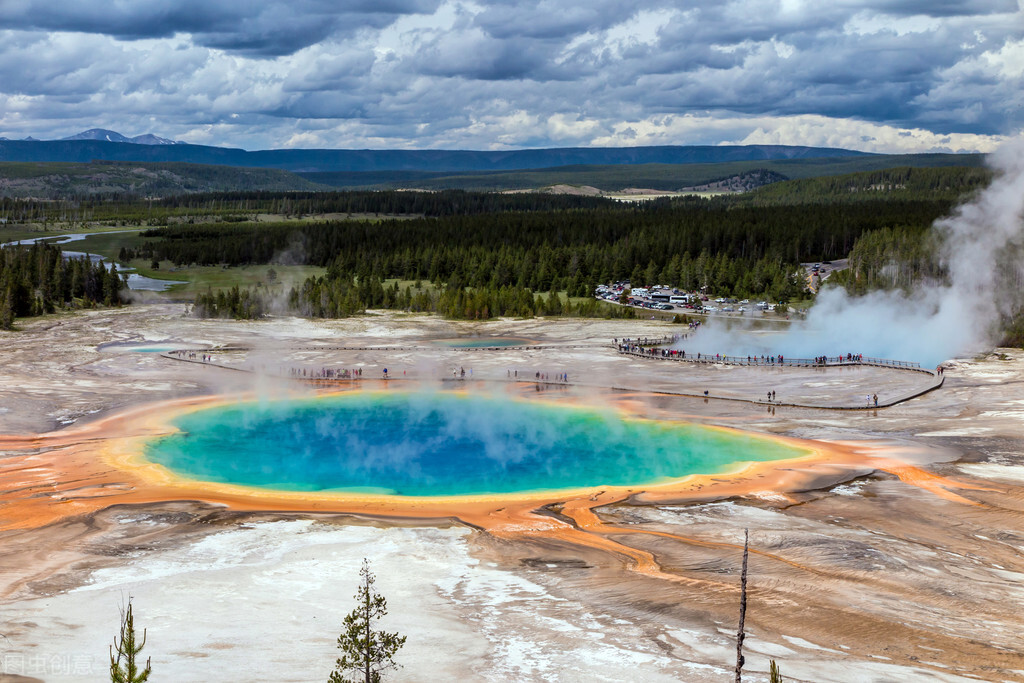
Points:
[(740, 635)]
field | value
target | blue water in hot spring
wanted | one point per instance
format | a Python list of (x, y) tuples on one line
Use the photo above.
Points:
[(442, 444)]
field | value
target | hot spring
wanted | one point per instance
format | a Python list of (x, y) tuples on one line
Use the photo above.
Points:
[(483, 342), (443, 444)]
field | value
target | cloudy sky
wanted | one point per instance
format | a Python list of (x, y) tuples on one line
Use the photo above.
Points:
[(875, 75)]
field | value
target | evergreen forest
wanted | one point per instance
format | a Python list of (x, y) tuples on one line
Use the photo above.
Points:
[(475, 255), (36, 279), (491, 254)]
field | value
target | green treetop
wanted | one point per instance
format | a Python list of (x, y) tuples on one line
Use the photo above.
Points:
[(367, 653)]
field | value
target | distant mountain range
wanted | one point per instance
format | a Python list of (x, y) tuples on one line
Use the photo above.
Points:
[(106, 145), (164, 166), (107, 136), (113, 136)]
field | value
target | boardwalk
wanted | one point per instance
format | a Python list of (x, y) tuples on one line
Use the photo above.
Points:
[(655, 353), (799, 383)]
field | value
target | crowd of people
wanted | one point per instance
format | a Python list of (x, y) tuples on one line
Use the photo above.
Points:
[(192, 355), (327, 373), (656, 348), (659, 349)]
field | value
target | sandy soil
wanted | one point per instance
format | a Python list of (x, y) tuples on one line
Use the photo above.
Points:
[(896, 555)]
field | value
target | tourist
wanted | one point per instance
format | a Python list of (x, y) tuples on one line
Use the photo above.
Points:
[(875, 397)]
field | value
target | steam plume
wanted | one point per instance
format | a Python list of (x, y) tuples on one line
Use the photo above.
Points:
[(981, 248)]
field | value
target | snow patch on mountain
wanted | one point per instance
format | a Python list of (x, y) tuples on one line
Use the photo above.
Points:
[(113, 136)]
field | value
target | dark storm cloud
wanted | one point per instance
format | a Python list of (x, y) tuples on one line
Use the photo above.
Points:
[(318, 105), (267, 28), (550, 19), (945, 8), (477, 56)]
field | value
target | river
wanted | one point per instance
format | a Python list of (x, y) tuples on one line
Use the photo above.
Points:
[(135, 281)]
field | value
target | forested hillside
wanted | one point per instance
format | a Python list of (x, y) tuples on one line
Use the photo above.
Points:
[(444, 203), (239, 205), (134, 179), (155, 179), (949, 184), (607, 243), (899, 253), (501, 253), (656, 176), (471, 254)]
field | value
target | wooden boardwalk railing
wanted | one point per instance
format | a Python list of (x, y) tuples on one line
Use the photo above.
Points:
[(657, 353)]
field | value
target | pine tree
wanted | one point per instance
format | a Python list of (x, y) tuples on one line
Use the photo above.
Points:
[(123, 665), (366, 653), (6, 311), (773, 673)]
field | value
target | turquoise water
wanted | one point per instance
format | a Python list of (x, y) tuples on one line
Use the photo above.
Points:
[(421, 444), (481, 342), (135, 347)]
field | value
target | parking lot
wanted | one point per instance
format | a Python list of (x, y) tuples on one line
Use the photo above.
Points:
[(659, 298)]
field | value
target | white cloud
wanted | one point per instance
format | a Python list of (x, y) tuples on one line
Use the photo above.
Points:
[(810, 130), (306, 140), (877, 75), (820, 131), (867, 23)]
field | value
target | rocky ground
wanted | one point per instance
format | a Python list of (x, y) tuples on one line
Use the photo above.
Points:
[(896, 574)]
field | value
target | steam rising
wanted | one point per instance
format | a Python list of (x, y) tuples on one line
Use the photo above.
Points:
[(981, 249), (442, 444)]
